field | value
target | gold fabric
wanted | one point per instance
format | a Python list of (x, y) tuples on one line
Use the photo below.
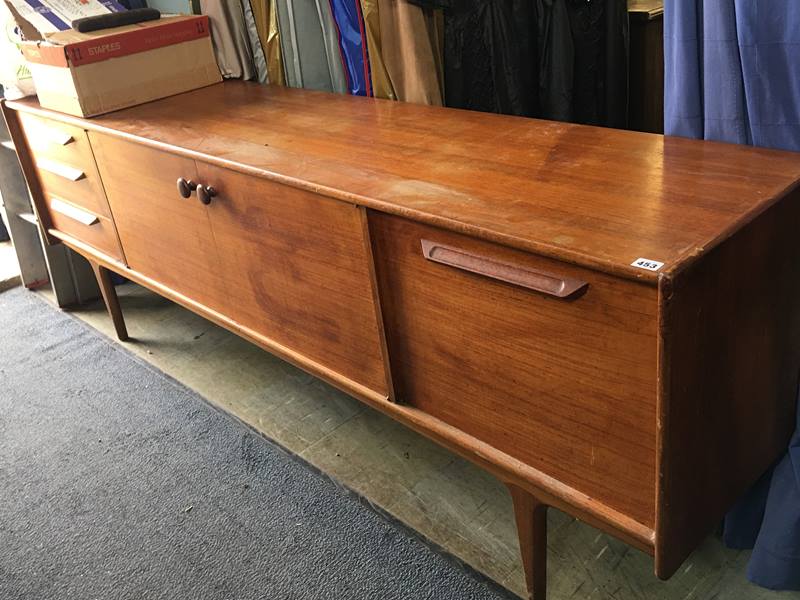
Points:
[(412, 51), (437, 43), (381, 84), (266, 17), (274, 57)]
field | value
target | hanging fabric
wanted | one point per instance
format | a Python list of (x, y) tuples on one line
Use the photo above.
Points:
[(556, 59), (731, 75), (230, 38), (264, 14), (277, 74), (353, 45), (309, 47), (330, 38), (437, 44), (288, 40), (259, 59), (731, 71), (767, 519), (266, 18), (374, 25), (583, 61), (412, 50), (489, 54)]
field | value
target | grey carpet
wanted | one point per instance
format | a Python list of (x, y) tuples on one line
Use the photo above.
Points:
[(117, 482)]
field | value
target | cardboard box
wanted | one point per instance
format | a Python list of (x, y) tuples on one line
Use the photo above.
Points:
[(88, 74)]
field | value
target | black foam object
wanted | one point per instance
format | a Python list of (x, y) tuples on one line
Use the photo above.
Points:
[(128, 17)]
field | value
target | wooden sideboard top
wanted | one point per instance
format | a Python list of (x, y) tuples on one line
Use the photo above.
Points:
[(592, 196), (645, 9)]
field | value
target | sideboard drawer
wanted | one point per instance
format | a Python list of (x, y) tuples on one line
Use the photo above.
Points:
[(553, 364), (65, 163), (95, 230)]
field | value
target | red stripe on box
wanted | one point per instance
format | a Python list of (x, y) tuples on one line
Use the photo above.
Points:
[(138, 40)]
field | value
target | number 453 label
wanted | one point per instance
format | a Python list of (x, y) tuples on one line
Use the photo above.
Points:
[(647, 264)]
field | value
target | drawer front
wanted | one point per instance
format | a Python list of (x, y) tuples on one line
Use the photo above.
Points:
[(65, 163), (553, 364), (296, 269), (95, 230)]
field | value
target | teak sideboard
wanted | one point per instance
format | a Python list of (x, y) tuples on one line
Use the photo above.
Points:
[(608, 321)]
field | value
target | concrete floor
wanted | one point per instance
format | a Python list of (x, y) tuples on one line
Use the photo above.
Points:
[(456, 505), (9, 269)]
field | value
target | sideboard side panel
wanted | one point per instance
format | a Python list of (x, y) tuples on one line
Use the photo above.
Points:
[(28, 170), (730, 361)]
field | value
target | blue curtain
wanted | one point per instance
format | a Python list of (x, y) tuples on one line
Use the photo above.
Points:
[(732, 73)]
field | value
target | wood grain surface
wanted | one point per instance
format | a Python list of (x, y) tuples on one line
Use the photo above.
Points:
[(730, 364), (642, 402), (164, 236), (593, 196), (87, 192), (110, 299), (510, 470), (28, 167), (645, 9), (295, 269), (567, 386), (531, 518), (646, 69), (101, 235)]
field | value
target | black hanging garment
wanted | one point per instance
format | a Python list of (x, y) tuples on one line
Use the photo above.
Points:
[(489, 54), (565, 60), (583, 61)]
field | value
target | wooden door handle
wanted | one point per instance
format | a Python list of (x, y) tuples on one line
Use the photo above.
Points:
[(186, 187), (545, 283), (205, 193)]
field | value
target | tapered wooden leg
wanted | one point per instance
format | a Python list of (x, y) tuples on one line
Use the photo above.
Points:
[(531, 516), (110, 299)]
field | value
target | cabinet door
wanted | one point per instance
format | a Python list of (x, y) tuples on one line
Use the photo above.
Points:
[(553, 364), (296, 271), (164, 236)]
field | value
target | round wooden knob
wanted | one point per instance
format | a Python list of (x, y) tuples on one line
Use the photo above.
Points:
[(205, 193), (185, 188)]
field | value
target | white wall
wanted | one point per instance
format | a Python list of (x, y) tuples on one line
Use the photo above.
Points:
[(171, 6)]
